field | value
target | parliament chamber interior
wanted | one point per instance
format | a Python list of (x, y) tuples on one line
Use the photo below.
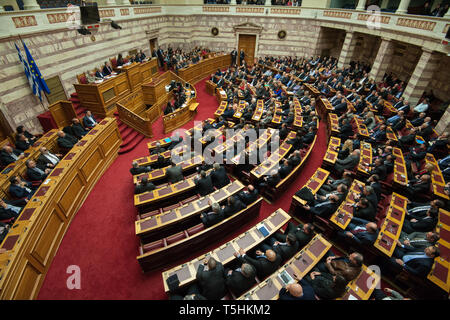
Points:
[(225, 150)]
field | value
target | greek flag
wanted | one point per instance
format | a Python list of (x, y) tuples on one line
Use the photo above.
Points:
[(26, 68), (39, 83)]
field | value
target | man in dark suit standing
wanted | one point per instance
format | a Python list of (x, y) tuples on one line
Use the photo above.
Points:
[(241, 57), (174, 173), (265, 263), (160, 55), (240, 280), (144, 186), (212, 279), (204, 184), (219, 176)]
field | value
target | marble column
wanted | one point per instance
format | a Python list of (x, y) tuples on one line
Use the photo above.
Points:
[(382, 60), (233, 2), (403, 7), (110, 3), (30, 5), (422, 76), (348, 50), (361, 5)]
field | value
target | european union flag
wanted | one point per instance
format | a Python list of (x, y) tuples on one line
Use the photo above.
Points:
[(35, 73)]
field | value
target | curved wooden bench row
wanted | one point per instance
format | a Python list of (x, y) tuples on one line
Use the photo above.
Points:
[(35, 237), (248, 240), (167, 250), (160, 225)]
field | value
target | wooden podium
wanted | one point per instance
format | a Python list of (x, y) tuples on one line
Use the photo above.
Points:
[(63, 113)]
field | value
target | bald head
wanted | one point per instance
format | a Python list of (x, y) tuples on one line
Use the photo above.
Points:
[(271, 255), (295, 289)]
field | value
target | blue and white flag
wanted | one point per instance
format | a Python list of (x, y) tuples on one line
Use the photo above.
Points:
[(38, 80), (26, 69)]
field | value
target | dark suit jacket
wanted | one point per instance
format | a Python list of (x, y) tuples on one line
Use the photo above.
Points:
[(87, 122), (236, 207), (263, 266), (211, 218), (308, 292), (248, 197), (43, 161), (325, 210), (348, 163), (212, 282), (346, 270), (381, 171), (18, 192), (139, 170), (141, 189), (6, 214), (6, 157), (323, 286), (78, 130), (420, 267), (174, 174), (286, 252), (238, 284), (219, 178), (22, 145), (204, 185), (368, 213), (67, 142), (34, 175)]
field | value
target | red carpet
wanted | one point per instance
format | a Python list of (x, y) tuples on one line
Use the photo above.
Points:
[(101, 239)]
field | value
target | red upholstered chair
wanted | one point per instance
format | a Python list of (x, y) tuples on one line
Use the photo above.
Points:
[(169, 208), (190, 199), (195, 229), (176, 237), (8, 221), (154, 245), (151, 213), (83, 80)]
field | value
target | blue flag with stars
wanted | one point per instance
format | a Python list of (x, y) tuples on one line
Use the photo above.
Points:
[(26, 68), (36, 75)]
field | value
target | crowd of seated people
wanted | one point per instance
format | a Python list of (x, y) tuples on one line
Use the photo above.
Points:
[(178, 59)]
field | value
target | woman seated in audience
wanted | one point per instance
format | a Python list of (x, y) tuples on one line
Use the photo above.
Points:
[(346, 149)]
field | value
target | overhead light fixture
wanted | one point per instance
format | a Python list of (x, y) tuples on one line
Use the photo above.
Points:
[(83, 31), (115, 25)]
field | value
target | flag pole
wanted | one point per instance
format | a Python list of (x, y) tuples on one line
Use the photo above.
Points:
[(42, 104)]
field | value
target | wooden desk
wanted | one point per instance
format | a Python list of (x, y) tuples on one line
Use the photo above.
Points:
[(274, 159), (314, 184), (258, 111), (225, 254), (204, 68), (301, 264), (390, 134), (139, 73), (31, 252), (361, 127), (276, 119), (333, 124), (362, 287), (221, 109), (210, 87), (101, 98), (344, 213), (332, 151), (392, 225), (437, 179), (152, 227)]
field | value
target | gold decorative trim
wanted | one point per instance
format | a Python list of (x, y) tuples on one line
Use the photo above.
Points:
[(216, 9), (417, 24), (284, 11), (147, 10), (337, 14), (125, 12), (58, 17), (365, 17), (249, 10), (24, 21), (107, 13)]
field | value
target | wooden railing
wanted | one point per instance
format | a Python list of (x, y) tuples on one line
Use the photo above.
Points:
[(126, 109)]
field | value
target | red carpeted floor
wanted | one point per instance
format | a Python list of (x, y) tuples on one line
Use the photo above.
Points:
[(101, 239)]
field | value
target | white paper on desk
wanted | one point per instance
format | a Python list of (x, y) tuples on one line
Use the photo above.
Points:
[(98, 81), (120, 67), (352, 297), (47, 181)]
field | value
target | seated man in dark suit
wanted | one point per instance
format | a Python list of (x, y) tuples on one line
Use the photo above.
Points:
[(8, 211), (136, 169), (326, 208), (418, 263), (297, 142), (327, 286), (204, 184), (34, 173), (88, 120), (285, 246), (303, 232), (233, 206), (31, 137), (219, 176), (22, 142), (240, 280), (47, 159), (414, 223), (174, 173), (360, 231), (20, 189), (77, 128), (214, 216), (99, 74), (363, 209), (285, 169), (348, 267), (409, 242), (270, 181), (265, 263), (379, 169), (249, 196), (345, 130), (8, 155), (144, 186), (158, 149), (421, 186), (295, 158), (211, 280), (65, 140), (301, 290), (107, 70)]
